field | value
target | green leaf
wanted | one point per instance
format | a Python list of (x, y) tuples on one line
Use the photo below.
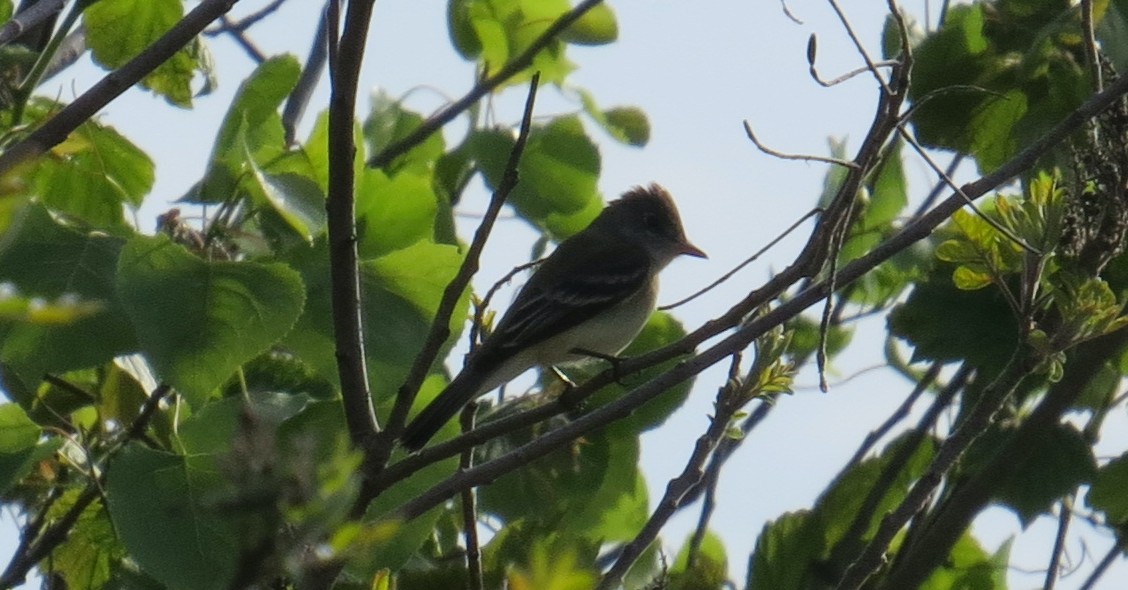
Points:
[(1060, 460), (93, 175), (401, 291), (969, 566), (630, 123), (46, 259), (461, 28), (840, 504), (389, 122), (597, 26), (252, 123), (627, 125), (394, 213), (594, 482), (293, 197), (783, 544), (558, 174), (118, 30), (20, 448), (496, 31), (87, 557), (994, 140), (946, 324), (163, 508), (198, 321), (1107, 492), (709, 569)]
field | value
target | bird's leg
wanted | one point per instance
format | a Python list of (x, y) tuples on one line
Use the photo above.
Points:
[(613, 360)]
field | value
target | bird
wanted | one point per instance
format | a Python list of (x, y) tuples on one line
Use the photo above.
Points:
[(590, 298)]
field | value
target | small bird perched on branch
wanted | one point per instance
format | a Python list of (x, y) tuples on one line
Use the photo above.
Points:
[(590, 297)]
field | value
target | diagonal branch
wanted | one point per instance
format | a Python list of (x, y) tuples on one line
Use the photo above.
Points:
[(482, 88), (440, 327), (315, 63), (112, 85)]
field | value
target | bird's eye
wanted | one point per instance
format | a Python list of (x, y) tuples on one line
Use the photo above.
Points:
[(651, 221)]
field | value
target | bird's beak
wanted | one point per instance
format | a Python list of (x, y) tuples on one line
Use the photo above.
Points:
[(691, 250)]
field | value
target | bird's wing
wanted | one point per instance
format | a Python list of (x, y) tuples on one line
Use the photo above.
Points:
[(575, 290)]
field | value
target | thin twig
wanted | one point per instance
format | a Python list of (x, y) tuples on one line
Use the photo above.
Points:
[(57, 128), (785, 156), (755, 256), (729, 401), (315, 64), (241, 39), (939, 187), (469, 507), (346, 54), (247, 21), (1091, 582), (709, 483), (440, 326), (899, 414), (485, 86), (1054, 570), (1092, 54)]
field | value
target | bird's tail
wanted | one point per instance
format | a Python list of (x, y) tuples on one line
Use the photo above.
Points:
[(464, 388)]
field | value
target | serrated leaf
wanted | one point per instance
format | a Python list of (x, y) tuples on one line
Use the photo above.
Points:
[(94, 175), (163, 508), (1060, 462), (198, 321), (1107, 492), (19, 445), (46, 259), (118, 30)]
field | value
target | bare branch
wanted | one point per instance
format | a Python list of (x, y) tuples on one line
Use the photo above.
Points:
[(1054, 570), (315, 64), (728, 275), (470, 508), (785, 156), (729, 401), (345, 58)]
